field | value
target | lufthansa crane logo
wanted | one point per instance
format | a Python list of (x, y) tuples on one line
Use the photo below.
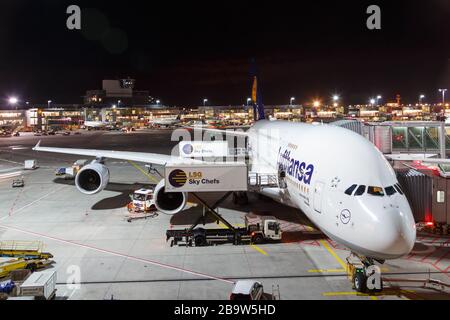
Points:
[(345, 216), (177, 178), (188, 148)]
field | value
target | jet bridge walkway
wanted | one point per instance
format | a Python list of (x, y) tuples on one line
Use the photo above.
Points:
[(258, 181)]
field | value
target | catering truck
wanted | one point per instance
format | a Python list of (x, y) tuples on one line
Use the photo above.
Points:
[(257, 230)]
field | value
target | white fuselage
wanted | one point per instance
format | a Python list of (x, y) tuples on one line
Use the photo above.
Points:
[(94, 124), (320, 163), (165, 121)]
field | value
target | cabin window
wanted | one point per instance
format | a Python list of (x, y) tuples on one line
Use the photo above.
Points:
[(398, 188), (390, 190), (375, 191), (360, 191)]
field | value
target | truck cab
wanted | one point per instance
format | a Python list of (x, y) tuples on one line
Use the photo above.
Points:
[(142, 200), (263, 228)]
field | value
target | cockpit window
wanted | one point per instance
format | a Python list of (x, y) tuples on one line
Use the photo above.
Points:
[(375, 191), (398, 188), (360, 191), (350, 190), (390, 190)]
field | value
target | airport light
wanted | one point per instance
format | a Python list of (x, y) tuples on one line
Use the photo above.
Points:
[(378, 99), (158, 102), (372, 101), (205, 101), (13, 100), (421, 98), (290, 101), (316, 103), (335, 98), (443, 91), (114, 106), (49, 103), (248, 100)]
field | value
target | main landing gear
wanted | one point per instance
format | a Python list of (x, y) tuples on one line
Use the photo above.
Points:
[(364, 274)]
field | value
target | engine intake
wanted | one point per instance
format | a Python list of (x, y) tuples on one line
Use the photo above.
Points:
[(92, 178), (169, 202)]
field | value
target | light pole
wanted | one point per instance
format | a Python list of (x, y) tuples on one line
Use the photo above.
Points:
[(421, 98), (205, 101), (443, 91), (248, 100), (158, 102), (335, 100), (378, 99), (48, 103), (290, 101), (372, 102)]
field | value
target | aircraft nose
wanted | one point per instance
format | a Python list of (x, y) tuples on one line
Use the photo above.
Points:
[(398, 235)]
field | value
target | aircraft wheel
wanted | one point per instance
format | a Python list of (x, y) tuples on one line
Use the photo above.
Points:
[(360, 282)]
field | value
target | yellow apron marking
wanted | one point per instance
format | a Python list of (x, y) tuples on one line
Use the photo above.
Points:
[(350, 293), (252, 245), (373, 296), (259, 249), (327, 246), (343, 293), (337, 270), (325, 270), (142, 170)]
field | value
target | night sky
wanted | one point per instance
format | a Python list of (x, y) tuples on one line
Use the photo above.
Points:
[(183, 51)]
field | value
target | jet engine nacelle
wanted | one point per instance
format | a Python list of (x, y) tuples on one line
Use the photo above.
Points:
[(92, 178), (169, 202)]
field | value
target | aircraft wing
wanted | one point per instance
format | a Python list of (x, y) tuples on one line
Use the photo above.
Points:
[(149, 158)]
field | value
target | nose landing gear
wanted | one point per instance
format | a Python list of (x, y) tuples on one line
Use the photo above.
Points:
[(364, 274)]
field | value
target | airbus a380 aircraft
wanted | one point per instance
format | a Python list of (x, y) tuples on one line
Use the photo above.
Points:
[(166, 122), (336, 177), (341, 182)]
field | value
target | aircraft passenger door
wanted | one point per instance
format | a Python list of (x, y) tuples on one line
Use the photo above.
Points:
[(318, 193)]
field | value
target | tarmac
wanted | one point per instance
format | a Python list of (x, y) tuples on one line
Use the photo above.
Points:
[(100, 255)]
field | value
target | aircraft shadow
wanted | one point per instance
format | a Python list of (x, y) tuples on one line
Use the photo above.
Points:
[(258, 205), (114, 202), (190, 216)]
